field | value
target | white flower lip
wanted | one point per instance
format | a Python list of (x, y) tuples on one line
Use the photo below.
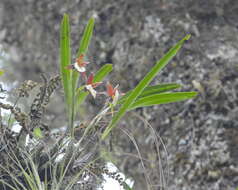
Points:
[(91, 90), (115, 98), (78, 68)]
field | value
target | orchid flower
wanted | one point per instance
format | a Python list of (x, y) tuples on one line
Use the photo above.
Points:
[(79, 65), (113, 93), (90, 85)]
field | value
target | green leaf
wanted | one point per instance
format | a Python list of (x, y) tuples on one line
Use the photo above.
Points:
[(159, 89), (143, 84), (102, 72), (65, 60), (67, 75), (80, 98), (83, 47), (88, 32), (37, 133), (163, 98), (152, 90)]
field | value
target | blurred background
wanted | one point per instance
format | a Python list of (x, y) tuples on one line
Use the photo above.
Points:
[(200, 135)]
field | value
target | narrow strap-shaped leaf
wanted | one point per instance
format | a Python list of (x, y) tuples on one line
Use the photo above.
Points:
[(83, 47), (81, 96), (143, 84), (163, 98), (149, 90), (102, 72), (65, 59), (88, 32)]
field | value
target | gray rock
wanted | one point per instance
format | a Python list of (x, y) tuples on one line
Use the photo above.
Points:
[(132, 35)]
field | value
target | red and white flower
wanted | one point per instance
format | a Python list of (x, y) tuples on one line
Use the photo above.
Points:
[(90, 85), (113, 93), (79, 65)]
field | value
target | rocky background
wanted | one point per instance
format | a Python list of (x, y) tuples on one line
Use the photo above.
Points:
[(200, 135)]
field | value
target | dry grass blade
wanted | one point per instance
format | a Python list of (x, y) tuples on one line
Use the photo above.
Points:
[(158, 140), (148, 182)]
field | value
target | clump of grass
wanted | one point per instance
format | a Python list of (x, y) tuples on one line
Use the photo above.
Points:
[(73, 160)]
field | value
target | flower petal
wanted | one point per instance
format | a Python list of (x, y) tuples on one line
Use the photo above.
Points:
[(116, 97), (110, 90), (80, 61), (90, 79), (91, 90)]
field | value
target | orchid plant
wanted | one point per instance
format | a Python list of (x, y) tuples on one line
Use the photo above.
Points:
[(78, 82), (141, 96)]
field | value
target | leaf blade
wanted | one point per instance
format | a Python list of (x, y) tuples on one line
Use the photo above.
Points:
[(152, 90), (83, 47), (74, 75), (102, 72), (65, 59), (163, 98), (87, 35)]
